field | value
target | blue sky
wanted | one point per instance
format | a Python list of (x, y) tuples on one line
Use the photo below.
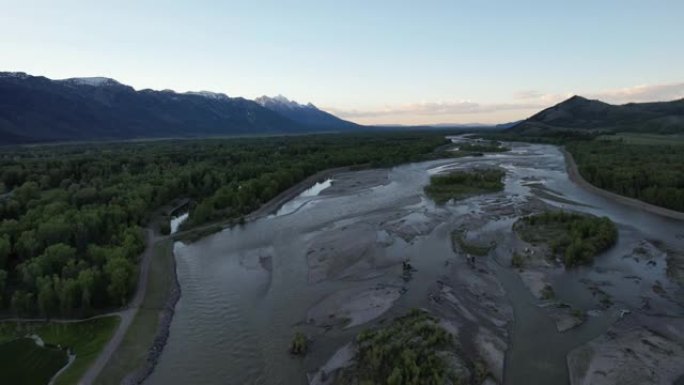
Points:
[(370, 61)]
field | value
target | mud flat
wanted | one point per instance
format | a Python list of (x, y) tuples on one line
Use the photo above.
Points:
[(353, 307), (636, 350)]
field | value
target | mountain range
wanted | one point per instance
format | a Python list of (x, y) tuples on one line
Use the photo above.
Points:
[(585, 115), (38, 109), (305, 114)]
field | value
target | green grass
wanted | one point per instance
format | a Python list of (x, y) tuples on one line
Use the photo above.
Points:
[(132, 353), (85, 339), (640, 138), (22, 362), (463, 184)]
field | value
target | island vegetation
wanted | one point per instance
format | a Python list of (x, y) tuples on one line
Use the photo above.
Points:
[(482, 147), (463, 184), (408, 351), (575, 237), (71, 216), (458, 241), (299, 345)]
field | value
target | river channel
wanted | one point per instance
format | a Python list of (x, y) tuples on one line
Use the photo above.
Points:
[(328, 263)]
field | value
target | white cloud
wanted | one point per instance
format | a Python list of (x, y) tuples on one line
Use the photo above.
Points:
[(522, 104), (433, 108), (642, 93), (636, 94)]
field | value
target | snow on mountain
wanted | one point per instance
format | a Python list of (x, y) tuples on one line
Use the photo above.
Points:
[(307, 114), (96, 81), (280, 101), (209, 95), (18, 75)]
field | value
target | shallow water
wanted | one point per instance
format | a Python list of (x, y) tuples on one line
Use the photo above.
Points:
[(177, 221), (303, 198), (246, 290)]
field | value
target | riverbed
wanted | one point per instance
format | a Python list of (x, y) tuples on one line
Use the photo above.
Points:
[(329, 264)]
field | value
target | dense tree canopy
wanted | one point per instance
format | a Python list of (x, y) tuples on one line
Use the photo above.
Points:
[(651, 173), (577, 238), (71, 216), (409, 351)]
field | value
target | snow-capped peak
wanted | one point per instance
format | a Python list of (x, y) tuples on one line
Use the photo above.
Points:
[(281, 102), (18, 75), (209, 95), (96, 81)]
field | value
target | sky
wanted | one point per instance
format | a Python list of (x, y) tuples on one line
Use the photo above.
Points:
[(371, 61)]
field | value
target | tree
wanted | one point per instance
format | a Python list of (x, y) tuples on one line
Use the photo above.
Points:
[(47, 300), (27, 192), (27, 245), (22, 302), (395, 378), (86, 283), (3, 283), (68, 294), (119, 272), (5, 250)]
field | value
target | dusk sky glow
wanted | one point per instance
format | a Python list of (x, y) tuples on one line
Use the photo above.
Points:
[(374, 62)]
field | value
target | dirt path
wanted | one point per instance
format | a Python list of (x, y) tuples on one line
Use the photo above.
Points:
[(575, 176), (129, 313), (126, 315)]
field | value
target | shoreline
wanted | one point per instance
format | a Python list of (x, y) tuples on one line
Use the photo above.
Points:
[(265, 209), (292, 192), (576, 177), (139, 376), (167, 313)]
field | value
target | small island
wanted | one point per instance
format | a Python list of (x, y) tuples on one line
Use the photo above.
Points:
[(575, 238), (463, 184), (413, 349)]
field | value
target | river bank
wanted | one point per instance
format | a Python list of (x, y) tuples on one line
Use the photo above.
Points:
[(332, 268), (166, 311), (575, 176)]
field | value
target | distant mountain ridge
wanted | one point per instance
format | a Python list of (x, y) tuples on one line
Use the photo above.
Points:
[(38, 109), (306, 114), (581, 114)]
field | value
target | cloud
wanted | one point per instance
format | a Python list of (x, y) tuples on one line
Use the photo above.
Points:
[(433, 108), (636, 94), (542, 99), (642, 93), (527, 94), (521, 104)]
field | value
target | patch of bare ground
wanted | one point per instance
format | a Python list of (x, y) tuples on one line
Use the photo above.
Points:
[(637, 350)]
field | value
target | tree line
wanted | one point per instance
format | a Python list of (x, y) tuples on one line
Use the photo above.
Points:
[(72, 216), (651, 173), (577, 238)]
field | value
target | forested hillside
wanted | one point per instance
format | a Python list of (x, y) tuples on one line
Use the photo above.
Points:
[(579, 115), (71, 217)]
